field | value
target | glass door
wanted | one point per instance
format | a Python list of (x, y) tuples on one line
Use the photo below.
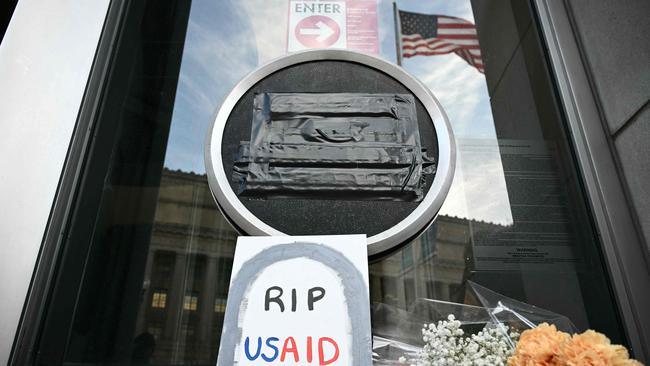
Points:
[(142, 275)]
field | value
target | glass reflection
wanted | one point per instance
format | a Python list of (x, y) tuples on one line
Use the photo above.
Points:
[(514, 220)]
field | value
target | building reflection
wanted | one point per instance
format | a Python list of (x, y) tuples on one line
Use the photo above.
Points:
[(187, 272), (188, 268)]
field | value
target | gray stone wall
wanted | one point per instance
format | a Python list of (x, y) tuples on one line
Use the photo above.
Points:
[(615, 42)]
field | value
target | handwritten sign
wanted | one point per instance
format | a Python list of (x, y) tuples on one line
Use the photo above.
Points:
[(298, 301)]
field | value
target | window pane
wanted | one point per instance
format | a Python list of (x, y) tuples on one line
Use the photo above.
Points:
[(159, 300), (145, 269)]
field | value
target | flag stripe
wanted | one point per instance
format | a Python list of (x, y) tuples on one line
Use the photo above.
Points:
[(468, 31), (423, 42), (469, 43), (439, 51), (456, 26), (474, 46), (450, 20), (446, 47), (461, 39), (458, 36)]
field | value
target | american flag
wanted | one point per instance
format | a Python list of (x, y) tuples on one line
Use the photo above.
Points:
[(427, 35)]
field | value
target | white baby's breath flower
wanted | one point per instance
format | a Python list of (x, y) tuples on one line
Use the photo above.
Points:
[(446, 344)]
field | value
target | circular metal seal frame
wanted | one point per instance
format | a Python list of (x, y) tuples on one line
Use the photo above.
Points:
[(409, 227)]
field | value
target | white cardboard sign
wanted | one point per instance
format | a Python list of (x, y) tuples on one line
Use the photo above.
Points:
[(298, 301)]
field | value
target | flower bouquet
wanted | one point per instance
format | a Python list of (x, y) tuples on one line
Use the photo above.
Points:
[(501, 332)]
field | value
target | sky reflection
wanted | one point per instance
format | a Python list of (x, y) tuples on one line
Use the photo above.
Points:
[(228, 39)]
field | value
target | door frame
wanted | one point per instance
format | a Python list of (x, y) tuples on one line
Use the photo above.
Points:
[(620, 239), (622, 245)]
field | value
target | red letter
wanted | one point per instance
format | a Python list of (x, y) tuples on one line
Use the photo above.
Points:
[(321, 354), (309, 351), (293, 349)]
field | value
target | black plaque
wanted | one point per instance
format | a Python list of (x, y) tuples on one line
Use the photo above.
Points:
[(329, 215), (331, 142)]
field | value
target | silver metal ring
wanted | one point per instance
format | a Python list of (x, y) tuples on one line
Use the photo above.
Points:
[(406, 229)]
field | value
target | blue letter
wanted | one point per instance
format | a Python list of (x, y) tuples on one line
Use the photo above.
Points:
[(275, 349), (259, 349)]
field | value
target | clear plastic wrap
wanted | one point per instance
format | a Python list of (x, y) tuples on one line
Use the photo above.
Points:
[(398, 332)]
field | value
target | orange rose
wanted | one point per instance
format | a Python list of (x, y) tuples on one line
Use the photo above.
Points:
[(593, 349), (546, 346), (538, 346)]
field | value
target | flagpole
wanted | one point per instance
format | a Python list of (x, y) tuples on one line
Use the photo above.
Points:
[(398, 41)]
